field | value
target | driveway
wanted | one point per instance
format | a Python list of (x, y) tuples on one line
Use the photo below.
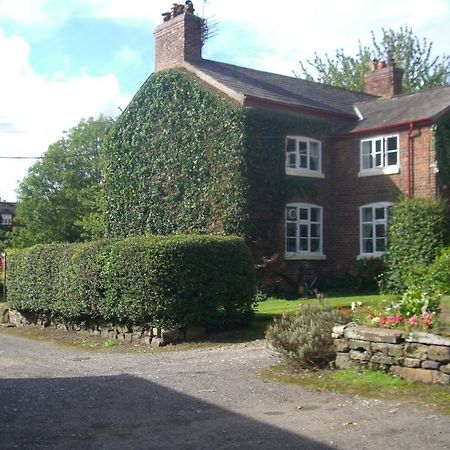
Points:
[(52, 397)]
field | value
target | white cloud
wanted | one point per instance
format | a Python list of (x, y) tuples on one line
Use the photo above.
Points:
[(39, 109)]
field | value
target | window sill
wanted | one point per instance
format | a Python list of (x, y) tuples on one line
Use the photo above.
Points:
[(305, 173), (370, 255), (382, 171), (297, 256)]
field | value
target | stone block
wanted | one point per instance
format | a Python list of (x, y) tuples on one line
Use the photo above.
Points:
[(445, 368), (170, 335), (439, 353), (359, 356), (338, 331), (156, 332), (157, 342), (433, 365), (359, 345), (373, 334), (146, 340), (4, 313), (418, 351), (412, 362), (428, 338), (343, 361), (421, 375), (444, 378), (382, 359), (396, 350), (377, 347), (341, 345)]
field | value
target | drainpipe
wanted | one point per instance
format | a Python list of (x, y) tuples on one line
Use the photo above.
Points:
[(409, 159)]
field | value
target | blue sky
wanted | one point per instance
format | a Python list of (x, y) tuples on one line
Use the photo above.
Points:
[(72, 59)]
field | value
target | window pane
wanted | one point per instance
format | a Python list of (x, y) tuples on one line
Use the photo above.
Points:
[(367, 230), (303, 245), (315, 215), (392, 143), (303, 161), (314, 163), (291, 229), (379, 213), (291, 160), (304, 231), (291, 245), (303, 214), (366, 155), (392, 158), (367, 246), (380, 231), (291, 213), (302, 146), (290, 145), (367, 215), (378, 160), (315, 230), (378, 146), (380, 245), (314, 149), (315, 245)]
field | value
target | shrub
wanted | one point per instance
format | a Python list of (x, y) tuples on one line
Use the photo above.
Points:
[(417, 231), (304, 338), (438, 274), (177, 281)]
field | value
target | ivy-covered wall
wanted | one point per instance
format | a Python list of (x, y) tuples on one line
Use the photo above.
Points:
[(442, 145), (183, 158)]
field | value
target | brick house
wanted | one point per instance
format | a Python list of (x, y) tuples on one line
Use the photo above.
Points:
[(377, 145), (7, 213)]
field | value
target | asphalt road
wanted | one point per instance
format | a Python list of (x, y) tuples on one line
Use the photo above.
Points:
[(52, 397)]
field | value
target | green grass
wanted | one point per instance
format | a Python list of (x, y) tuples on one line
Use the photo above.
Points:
[(276, 306), (365, 384)]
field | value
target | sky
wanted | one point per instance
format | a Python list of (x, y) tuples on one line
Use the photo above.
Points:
[(62, 61)]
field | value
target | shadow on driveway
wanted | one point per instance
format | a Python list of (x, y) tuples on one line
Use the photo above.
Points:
[(125, 412)]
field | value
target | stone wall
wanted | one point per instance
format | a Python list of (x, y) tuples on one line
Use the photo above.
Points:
[(419, 356), (148, 334)]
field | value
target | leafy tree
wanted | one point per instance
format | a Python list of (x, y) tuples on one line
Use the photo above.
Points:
[(4, 240), (414, 55), (59, 200)]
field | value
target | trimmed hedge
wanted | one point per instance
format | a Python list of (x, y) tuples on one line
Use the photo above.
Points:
[(171, 282), (418, 229)]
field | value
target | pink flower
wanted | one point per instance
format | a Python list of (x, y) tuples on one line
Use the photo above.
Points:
[(414, 321), (427, 319)]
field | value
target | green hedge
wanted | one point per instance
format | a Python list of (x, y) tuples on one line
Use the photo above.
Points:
[(176, 281), (418, 228)]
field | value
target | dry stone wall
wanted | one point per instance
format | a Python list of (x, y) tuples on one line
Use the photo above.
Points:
[(417, 356)]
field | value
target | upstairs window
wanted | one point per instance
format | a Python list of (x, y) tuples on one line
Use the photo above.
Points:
[(5, 219), (380, 155), (304, 231), (303, 156), (373, 232)]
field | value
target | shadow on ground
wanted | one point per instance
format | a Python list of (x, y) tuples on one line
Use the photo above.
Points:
[(125, 412)]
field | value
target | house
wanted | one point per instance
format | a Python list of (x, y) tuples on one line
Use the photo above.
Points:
[(305, 171), (7, 214)]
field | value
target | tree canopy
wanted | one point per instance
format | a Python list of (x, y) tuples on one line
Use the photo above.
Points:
[(60, 200), (414, 55)]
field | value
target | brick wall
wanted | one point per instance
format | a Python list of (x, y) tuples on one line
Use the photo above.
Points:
[(178, 40), (382, 80)]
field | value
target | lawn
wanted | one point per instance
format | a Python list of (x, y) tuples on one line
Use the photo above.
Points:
[(275, 306)]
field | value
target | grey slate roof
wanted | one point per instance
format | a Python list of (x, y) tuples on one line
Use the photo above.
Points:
[(280, 88), (428, 104)]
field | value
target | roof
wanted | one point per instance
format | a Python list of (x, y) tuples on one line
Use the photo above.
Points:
[(7, 207), (402, 109), (273, 87)]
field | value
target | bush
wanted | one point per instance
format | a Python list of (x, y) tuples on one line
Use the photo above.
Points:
[(304, 338), (438, 274), (177, 281), (417, 231)]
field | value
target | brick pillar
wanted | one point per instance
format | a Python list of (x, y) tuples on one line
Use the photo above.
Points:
[(178, 40), (384, 80)]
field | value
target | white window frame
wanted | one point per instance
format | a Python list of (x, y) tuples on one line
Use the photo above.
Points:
[(6, 219), (380, 153), (374, 222), (305, 222), (296, 168)]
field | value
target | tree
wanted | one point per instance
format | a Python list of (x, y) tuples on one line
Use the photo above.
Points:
[(414, 55), (60, 198)]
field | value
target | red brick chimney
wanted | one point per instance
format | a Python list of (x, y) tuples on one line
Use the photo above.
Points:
[(384, 79), (177, 40)]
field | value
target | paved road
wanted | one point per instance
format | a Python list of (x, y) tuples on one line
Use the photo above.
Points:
[(57, 398)]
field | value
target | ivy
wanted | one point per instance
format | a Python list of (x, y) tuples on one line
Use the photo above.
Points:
[(183, 158), (442, 145)]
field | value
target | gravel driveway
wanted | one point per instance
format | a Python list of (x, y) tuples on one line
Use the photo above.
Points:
[(53, 397)]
